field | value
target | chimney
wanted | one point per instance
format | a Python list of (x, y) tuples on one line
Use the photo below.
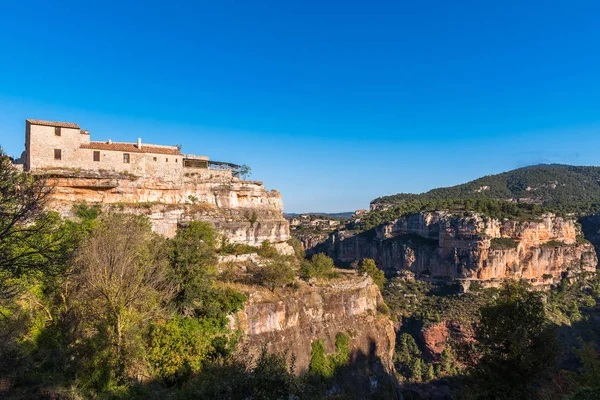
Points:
[(109, 141), (139, 143)]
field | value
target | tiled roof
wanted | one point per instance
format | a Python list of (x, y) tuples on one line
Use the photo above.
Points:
[(132, 148), (50, 123)]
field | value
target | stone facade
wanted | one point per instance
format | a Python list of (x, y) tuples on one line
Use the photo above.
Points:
[(60, 145)]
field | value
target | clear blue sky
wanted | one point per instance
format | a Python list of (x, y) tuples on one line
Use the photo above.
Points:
[(333, 103)]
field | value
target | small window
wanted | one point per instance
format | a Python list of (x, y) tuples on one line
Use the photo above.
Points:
[(167, 160), (155, 159), (176, 160), (126, 158), (57, 131), (96, 156), (57, 154)]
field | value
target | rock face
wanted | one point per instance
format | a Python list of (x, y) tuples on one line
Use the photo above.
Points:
[(244, 211), (441, 245), (318, 312)]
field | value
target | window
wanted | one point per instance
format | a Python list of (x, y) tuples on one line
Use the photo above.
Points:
[(126, 158), (176, 160), (155, 159), (167, 160), (96, 156), (57, 154), (57, 131)]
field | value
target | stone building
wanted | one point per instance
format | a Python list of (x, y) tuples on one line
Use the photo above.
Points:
[(64, 145)]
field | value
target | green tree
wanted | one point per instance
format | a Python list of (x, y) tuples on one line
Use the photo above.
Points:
[(277, 272), (514, 347), (121, 282), (193, 260), (320, 266), (31, 238), (368, 266)]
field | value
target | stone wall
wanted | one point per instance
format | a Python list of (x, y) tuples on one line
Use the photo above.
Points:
[(43, 141)]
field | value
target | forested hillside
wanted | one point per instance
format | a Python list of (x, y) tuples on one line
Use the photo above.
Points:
[(552, 185)]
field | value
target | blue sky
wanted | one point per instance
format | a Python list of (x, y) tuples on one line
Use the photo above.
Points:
[(333, 103)]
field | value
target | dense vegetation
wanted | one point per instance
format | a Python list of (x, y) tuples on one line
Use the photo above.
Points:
[(528, 345)]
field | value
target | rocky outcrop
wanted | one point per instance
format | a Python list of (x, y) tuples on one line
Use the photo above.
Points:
[(244, 211), (312, 240), (291, 321), (469, 247)]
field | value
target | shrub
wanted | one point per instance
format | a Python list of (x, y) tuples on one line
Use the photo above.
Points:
[(325, 366), (581, 239), (252, 218), (320, 266), (276, 273), (368, 266), (86, 212), (298, 248), (267, 250), (503, 244)]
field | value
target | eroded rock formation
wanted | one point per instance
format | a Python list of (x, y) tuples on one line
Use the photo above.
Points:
[(294, 320), (244, 211), (470, 247)]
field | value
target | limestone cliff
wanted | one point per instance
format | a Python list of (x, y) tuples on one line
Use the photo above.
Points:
[(293, 320), (244, 211), (469, 247)]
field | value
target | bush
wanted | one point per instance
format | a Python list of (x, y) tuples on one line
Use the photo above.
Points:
[(86, 212), (325, 366), (298, 248), (320, 266), (267, 250), (503, 244), (276, 273), (368, 266)]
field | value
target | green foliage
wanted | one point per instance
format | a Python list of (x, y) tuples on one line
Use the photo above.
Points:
[(409, 361), (180, 346), (267, 250), (513, 347), (277, 272), (87, 212), (503, 244), (319, 266), (368, 266), (32, 240), (253, 218), (237, 249), (561, 187), (298, 248), (193, 262), (270, 377), (324, 365), (553, 243)]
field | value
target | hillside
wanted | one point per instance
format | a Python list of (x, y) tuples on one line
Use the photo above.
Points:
[(563, 187)]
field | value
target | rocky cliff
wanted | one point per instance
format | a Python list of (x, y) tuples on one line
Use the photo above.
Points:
[(469, 247), (291, 321), (244, 211)]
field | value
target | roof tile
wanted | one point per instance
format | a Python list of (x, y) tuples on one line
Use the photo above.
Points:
[(132, 148), (51, 123)]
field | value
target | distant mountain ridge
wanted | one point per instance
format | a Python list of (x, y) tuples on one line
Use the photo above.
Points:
[(551, 185)]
